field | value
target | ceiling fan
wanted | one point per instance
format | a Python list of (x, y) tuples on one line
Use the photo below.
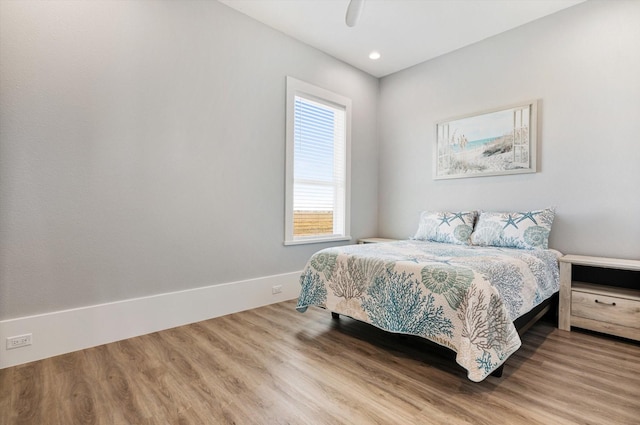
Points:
[(354, 10)]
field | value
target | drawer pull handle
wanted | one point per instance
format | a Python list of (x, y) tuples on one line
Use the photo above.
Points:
[(602, 302)]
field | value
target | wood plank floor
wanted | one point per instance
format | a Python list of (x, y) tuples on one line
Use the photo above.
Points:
[(273, 365)]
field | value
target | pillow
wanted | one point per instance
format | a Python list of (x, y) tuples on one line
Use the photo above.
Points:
[(525, 230), (446, 226)]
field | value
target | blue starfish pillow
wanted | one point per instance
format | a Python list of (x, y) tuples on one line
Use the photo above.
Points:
[(446, 226), (525, 230)]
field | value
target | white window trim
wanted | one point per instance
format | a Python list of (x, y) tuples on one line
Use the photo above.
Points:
[(300, 88)]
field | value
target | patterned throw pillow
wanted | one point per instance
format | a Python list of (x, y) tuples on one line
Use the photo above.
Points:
[(446, 226), (525, 230)]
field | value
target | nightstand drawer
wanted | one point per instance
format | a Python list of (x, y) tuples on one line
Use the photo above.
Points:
[(603, 308)]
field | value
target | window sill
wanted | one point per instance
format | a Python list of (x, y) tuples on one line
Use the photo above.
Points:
[(317, 240)]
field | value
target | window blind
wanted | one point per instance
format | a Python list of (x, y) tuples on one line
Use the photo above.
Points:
[(319, 168)]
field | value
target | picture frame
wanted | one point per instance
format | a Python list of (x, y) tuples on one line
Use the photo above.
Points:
[(494, 142)]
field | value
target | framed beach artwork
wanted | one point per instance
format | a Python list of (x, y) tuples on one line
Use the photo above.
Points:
[(489, 143)]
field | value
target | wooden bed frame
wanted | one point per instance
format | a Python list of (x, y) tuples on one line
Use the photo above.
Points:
[(522, 323)]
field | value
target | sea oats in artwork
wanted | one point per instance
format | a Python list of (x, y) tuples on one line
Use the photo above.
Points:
[(501, 141)]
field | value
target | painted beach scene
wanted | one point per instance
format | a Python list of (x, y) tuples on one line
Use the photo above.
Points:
[(493, 143)]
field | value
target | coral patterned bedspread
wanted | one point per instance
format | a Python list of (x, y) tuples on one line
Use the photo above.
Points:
[(462, 297)]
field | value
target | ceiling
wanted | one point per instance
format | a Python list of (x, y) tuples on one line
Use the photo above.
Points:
[(405, 32)]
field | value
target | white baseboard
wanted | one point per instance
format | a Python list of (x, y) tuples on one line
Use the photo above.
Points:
[(79, 328)]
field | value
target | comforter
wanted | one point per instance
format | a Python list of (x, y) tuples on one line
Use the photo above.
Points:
[(462, 297)]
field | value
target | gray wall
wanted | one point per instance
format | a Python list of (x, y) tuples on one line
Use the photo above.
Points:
[(142, 143), (584, 65), (142, 149)]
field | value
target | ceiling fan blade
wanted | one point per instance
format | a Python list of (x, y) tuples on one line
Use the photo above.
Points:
[(354, 10)]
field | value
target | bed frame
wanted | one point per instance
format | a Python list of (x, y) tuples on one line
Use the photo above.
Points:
[(522, 323)]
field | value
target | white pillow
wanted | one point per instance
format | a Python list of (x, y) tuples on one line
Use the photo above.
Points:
[(446, 226), (525, 230)]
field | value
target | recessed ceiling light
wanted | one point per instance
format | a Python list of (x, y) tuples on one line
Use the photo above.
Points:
[(374, 55)]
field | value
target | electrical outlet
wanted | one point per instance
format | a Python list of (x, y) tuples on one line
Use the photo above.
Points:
[(276, 289), (18, 341)]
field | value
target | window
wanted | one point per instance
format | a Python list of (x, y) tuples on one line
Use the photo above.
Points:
[(317, 146)]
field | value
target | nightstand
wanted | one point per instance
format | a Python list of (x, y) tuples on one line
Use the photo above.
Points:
[(375, 240), (603, 305)]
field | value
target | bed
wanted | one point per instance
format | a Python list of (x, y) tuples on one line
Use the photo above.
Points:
[(470, 298)]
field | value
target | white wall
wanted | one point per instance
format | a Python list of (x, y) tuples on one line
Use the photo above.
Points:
[(142, 149), (584, 65)]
